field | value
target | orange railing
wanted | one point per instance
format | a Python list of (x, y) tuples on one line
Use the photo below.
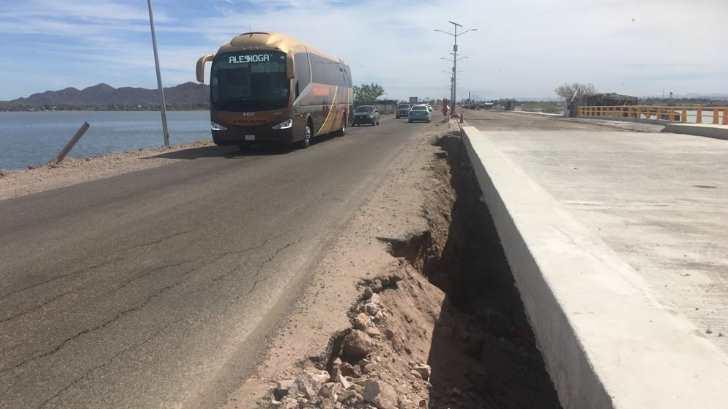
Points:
[(684, 114)]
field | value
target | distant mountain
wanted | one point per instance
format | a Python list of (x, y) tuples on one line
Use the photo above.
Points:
[(103, 96)]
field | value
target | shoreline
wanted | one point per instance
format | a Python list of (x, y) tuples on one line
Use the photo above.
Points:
[(107, 109), (40, 178)]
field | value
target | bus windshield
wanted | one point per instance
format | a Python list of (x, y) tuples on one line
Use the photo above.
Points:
[(249, 81)]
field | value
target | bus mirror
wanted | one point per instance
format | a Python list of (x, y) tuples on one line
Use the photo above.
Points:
[(200, 69)]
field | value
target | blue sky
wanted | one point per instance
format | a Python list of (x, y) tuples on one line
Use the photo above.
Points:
[(524, 48)]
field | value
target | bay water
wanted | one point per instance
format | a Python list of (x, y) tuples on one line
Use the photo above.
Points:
[(34, 138)]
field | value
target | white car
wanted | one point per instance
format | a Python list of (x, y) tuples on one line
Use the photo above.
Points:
[(419, 113)]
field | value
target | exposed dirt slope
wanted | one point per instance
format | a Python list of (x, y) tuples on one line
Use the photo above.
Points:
[(435, 321)]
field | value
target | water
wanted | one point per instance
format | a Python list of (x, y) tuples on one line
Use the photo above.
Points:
[(32, 138)]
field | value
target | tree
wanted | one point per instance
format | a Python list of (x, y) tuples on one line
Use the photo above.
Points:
[(367, 93), (570, 92), (573, 95)]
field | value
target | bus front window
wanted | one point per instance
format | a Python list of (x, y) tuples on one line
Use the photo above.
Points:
[(249, 81)]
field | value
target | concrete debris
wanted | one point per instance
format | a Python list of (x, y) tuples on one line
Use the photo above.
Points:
[(348, 369), (361, 321), (331, 390), (309, 383), (357, 345), (381, 394), (423, 370), (344, 382), (374, 332), (284, 388)]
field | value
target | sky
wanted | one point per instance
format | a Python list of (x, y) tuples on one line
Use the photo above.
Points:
[(522, 49)]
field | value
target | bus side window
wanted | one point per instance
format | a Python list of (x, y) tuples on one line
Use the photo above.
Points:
[(303, 71)]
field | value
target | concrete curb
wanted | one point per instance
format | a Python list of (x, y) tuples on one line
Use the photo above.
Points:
[(705, 130), (716, 132), (605, 340)]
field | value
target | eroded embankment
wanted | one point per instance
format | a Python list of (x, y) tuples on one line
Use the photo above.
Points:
[(443, 328)]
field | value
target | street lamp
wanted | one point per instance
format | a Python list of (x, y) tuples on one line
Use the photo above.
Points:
[(455, 34)]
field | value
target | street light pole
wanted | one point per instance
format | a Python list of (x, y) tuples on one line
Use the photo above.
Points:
[(455, 34), (455, 67), (165, 130)]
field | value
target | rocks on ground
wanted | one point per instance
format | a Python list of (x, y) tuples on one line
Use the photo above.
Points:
[(360, 371)]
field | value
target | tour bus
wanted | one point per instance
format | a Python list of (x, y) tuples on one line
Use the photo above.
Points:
[(269, 87)]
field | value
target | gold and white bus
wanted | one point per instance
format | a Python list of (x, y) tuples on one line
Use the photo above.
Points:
[(269, 87)]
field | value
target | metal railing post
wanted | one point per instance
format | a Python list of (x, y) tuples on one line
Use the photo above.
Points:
[(71, 143)]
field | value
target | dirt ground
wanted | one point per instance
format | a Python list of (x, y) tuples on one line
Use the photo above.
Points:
[(414, 307), (73, 171)]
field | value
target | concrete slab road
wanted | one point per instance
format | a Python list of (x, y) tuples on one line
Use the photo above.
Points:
[(660, 200), (156, 289), (617, 241)]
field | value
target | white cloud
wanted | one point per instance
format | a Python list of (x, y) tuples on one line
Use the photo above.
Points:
[(523, 47)]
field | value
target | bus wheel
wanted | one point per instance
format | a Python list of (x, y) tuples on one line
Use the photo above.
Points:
[(306, 142)]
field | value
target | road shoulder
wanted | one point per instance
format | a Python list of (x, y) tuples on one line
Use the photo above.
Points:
[(73, 171)]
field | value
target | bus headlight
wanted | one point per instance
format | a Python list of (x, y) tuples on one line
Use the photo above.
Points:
[(217, 127), (284, 125)]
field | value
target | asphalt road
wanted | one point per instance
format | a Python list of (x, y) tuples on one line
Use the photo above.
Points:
[(157, 289)]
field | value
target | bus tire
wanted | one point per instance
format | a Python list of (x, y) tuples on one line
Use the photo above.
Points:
[(307, 135), (342, 131)]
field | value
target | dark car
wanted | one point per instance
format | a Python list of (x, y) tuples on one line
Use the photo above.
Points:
[(366, 114), (403, 110)]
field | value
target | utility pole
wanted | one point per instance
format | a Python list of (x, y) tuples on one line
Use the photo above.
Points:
[(455, 35), (165, 130)]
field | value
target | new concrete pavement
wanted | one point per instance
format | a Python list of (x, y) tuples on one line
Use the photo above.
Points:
[(617, 242), (157, 289)]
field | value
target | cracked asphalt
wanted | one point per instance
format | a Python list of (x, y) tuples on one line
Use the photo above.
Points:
[(160, 288)]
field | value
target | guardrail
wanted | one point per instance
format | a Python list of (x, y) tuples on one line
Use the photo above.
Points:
[(683, 114)]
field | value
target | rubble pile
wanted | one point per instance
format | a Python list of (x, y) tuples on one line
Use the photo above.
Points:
[(362, 368)]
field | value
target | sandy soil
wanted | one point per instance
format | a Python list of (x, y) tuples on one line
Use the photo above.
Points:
[(73, 171)]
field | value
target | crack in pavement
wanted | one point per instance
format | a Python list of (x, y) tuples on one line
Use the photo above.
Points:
[(71, 273), (141, 305), (104, 324), (127, 282), (251, 248), (259, 269), (243, 251), (157, 240), (97, 265), (105, 363), (268, 260)]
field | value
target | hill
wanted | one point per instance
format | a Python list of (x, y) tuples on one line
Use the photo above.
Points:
[(105, 97)]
